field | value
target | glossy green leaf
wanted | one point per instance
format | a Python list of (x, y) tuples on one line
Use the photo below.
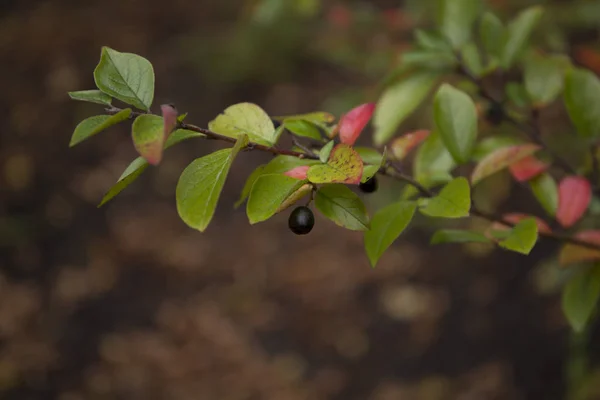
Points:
[(580, 297), (268, 193), (518, 32), (398, 102), (343, 166), (341, 205), (369, 171), (245, 119), (432, 158), (180, 135), (92, 96), (281, 164), (248, 185), (545, 190), (369, 155), (148, 137), (386, 226), (201, 183), (582, 99), (125, 76), (304, 128), (93, 125), (522, 237), (456, 120), (457, 18), (544, 77), (453, 201), (318, 116), (458, 236), (326, 151), (493, 34)]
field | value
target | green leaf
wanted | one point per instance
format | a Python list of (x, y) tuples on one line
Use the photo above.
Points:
[(517, 94), (200, 185), (456, 119), (344, 166), (248, 185), (493, 143), (433, 60), (580, 297), (582, 99), (432, 158), (458, 236), (317, 116), (326, 151), (453, 201), (518, 32), (248, 119), (544, 77), (341, 205), (369, 171), (386, 226), (457, 18), (281, 164), (139, 165), (500, 159), (127, 77), (92, 96), (148, 137), (369, 155), (545, 190), (522, 237), (493, 34), (398, 102), (93, 125), (268, 193), (304, 128), (472, 59), (428, 40)]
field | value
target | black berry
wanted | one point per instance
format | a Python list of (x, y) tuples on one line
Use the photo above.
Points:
[(369, 186), (301, 220), (276, 123), (495, 114)]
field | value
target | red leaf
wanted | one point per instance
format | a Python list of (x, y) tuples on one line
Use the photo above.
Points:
[(501, 159), (298, 172), (405, 143), (528, 168), (574, 196), (572, 253), (352, 123), (169, 113)]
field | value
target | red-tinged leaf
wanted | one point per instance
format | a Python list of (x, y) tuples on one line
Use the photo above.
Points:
[(405, 143), (528, 168), (515, 218), (573, 254), (500, 159), (169, 113), (574, 196), (147, 132), (298, 172), (344, 166), (352, 124)]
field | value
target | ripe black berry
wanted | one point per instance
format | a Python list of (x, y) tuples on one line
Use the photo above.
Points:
[(369, 186), (495, 114), (301, 220)]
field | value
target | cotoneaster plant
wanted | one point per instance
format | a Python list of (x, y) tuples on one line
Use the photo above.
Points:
[(459, 65)]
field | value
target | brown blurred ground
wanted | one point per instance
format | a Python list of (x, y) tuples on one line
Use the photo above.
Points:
[(126, 302)]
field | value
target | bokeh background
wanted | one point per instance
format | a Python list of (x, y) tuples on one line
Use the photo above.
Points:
[(126, 302)]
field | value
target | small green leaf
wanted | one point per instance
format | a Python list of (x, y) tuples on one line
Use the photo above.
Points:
[(545, 189), (93, 125), (127, 77), (472, 59), (248, 185), (341, 205), (304, 128), (582, 99), (248, 119), (344, 166), (428, 40), (453, 201), (580, 297), (522, 237), (398, 102), (544, 77), (456, 119), (518, 32), (200, 185), (386, 226), (317, 116), (493, 34), (432, 158), (326, 151), (458, 236), (268, 193), (369, 155), (457, 18), (148, 137), (281, 164), (180, 135), (369, 171), (92, 96), (433, 60)]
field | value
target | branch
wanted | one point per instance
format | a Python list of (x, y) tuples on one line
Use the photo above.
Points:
[(389, 170)]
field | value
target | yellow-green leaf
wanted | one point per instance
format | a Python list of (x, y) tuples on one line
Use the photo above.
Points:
[(268, 194), (93, 125), (453, 201), (344, 166), (341, 205), (500, 159), (245, 119)]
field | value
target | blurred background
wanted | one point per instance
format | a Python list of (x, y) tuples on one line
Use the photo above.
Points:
[(126, 302)]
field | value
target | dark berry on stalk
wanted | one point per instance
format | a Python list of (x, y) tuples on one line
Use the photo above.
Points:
[(369, 186), (495, 114), (301, 220)]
